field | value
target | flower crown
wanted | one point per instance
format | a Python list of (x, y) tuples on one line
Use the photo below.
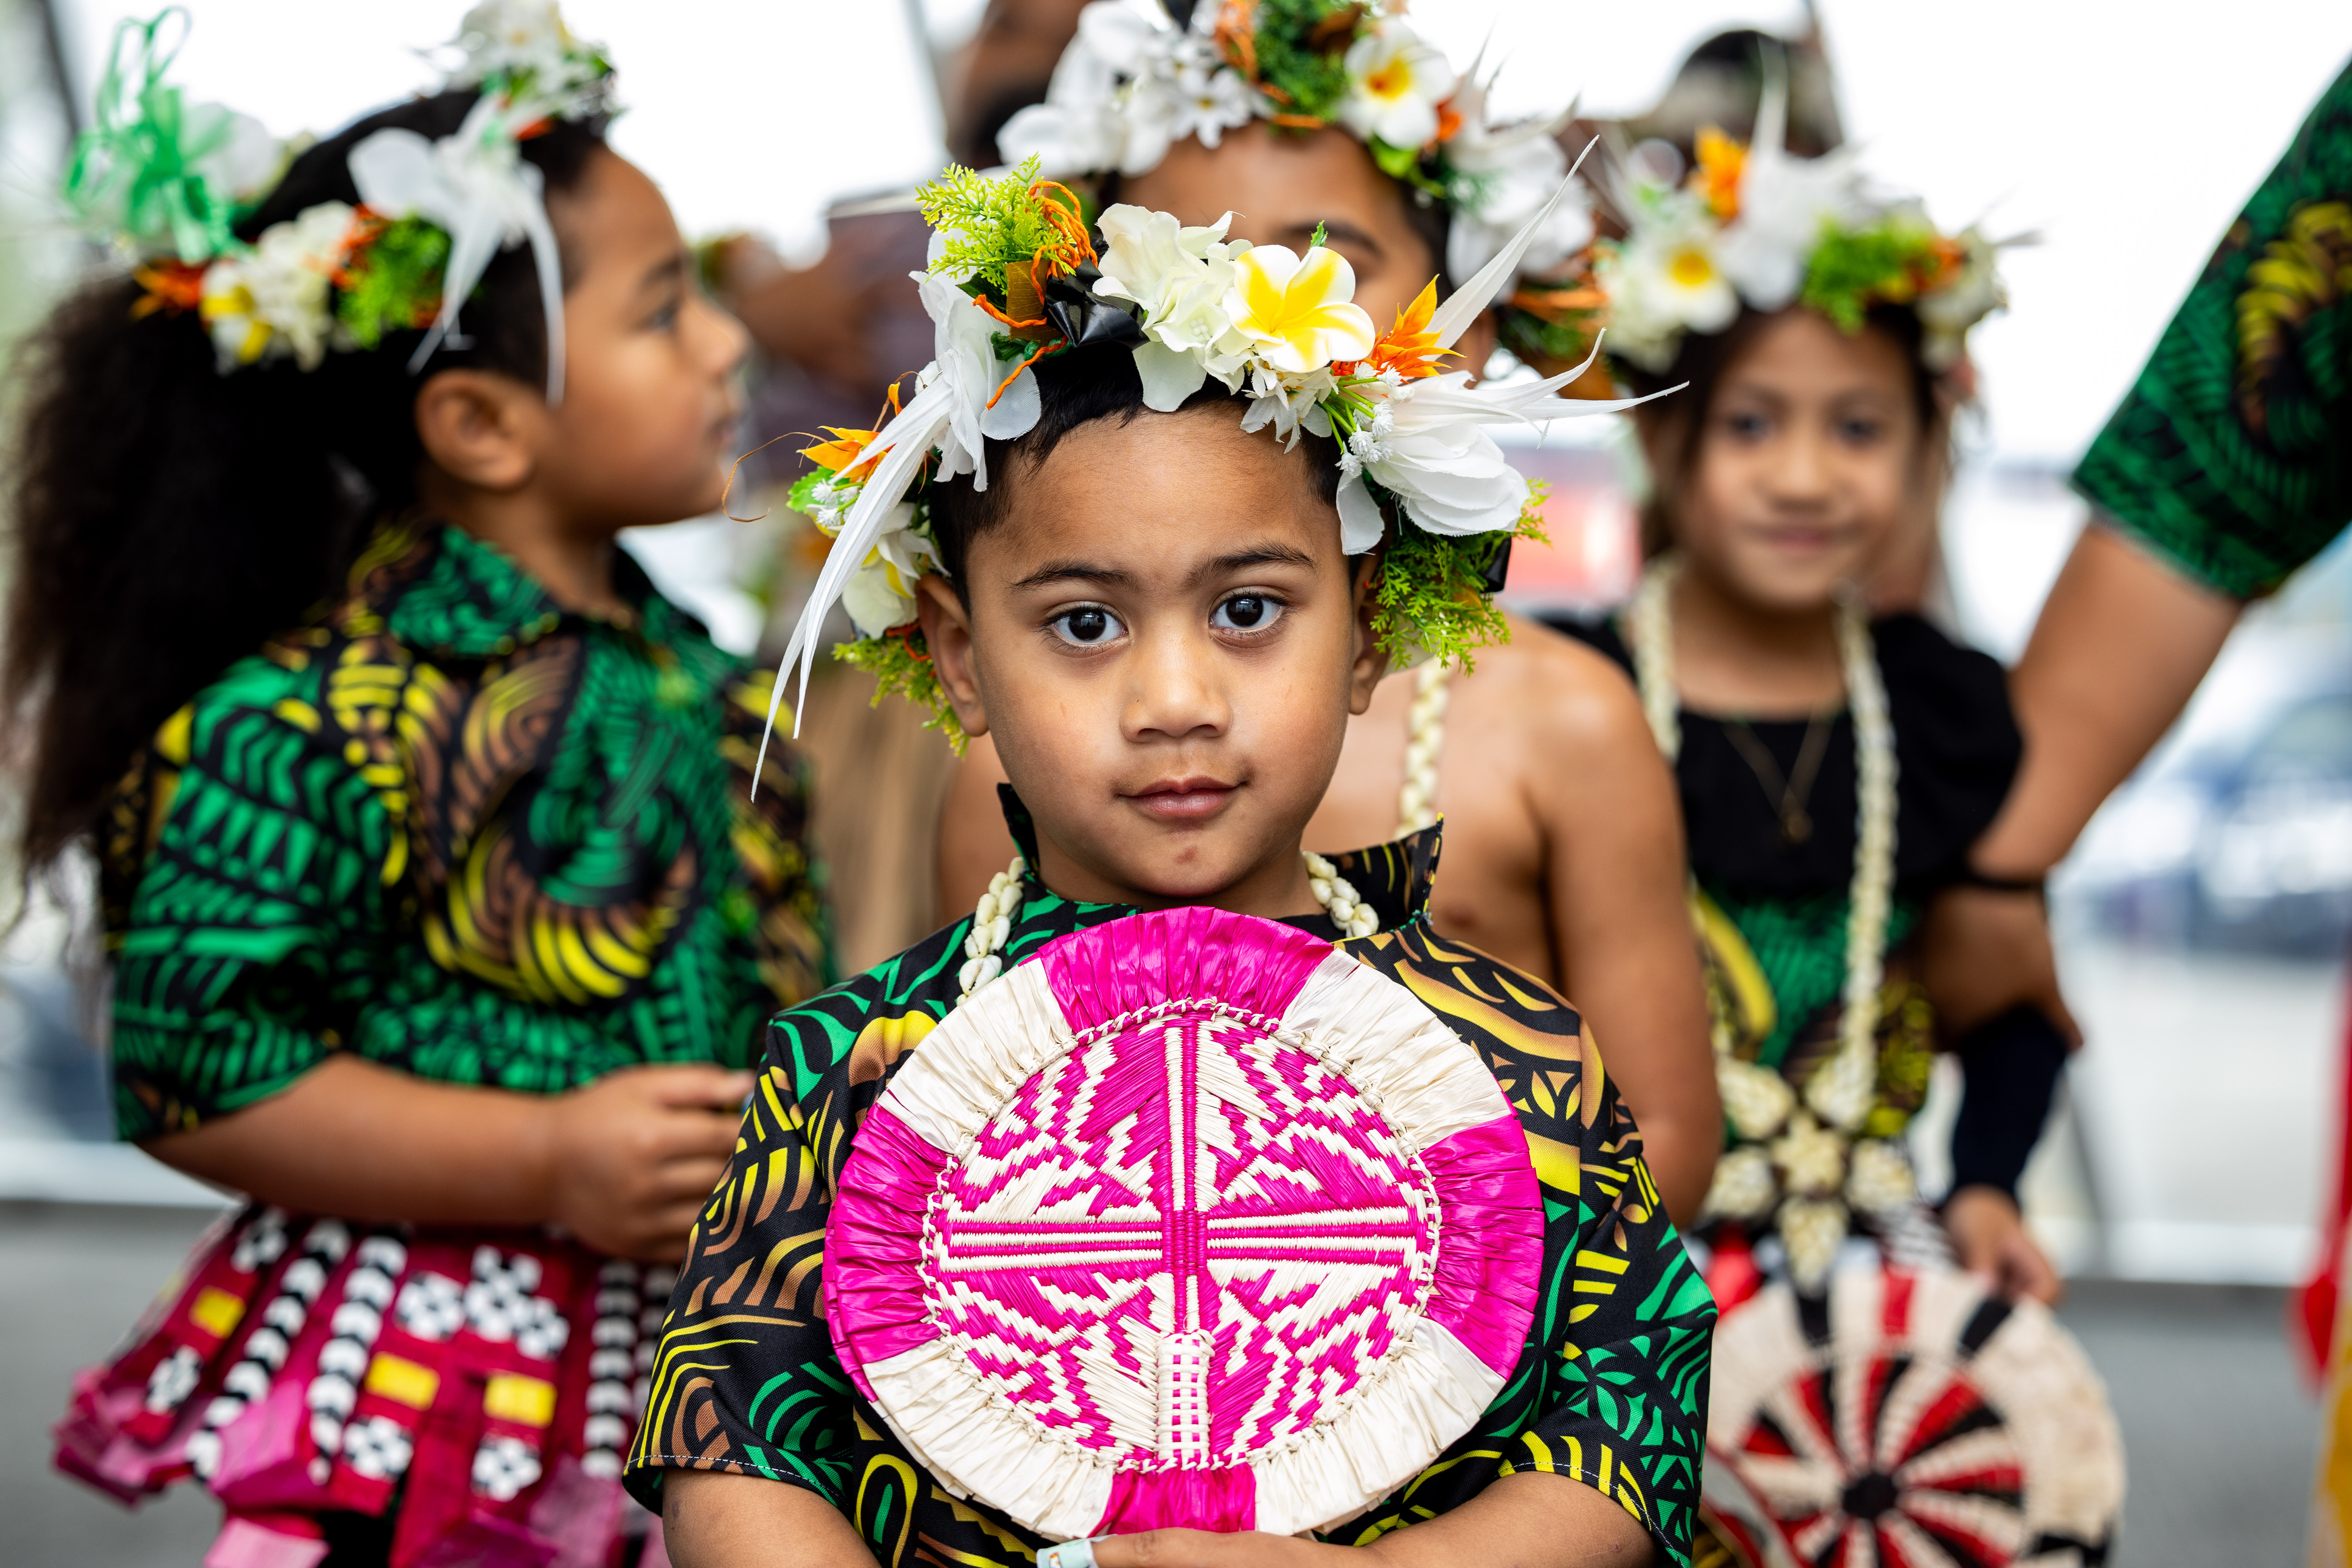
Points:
[(1753, 224), (1133, 84), (167, 182), (1016, 276)]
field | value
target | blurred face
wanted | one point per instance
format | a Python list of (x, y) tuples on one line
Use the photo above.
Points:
[(1005, 67), (1279, 184), (650, 396), (1811, 452), (1166, 643)]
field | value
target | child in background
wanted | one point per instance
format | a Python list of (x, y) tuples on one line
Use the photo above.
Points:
[(1834, 770), (1564, 851), (441, 919), (1105, 1243)]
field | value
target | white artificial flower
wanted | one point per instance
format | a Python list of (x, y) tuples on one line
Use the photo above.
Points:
[(1211, 98), (1078, 128), (1395, 82), (964, 361), (880, 594), (1949, 312), (271, 303), (1744, 1186), (527, 41), (1512, 175), (1289, 403), (1785, 202), (241, 158), (1178, 276), (1299, 310), (1665, 279)]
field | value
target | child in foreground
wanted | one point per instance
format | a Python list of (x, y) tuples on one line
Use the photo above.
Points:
[(1193, 1194), (441, 918), (1563, 851)]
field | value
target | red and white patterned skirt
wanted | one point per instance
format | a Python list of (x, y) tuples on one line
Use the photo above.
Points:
[(479, 1388)]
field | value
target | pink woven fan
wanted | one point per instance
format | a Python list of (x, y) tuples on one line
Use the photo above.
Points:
[(1194, 1220)]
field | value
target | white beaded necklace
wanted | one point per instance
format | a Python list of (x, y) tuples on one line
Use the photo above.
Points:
[(991, 918), (1843, 1089), (1425, 742)]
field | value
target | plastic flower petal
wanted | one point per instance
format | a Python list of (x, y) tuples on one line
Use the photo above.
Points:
[(1395, 83), (1300, 311), (272, 302)]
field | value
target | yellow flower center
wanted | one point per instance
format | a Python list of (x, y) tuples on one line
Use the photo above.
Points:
[(1691, 269), (1393, 80)]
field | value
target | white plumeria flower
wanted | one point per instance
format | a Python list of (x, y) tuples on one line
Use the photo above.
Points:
[(272, 302), (1663, 280), (1395, 82), (1178, 278), (1210, 100), (1299, 310)]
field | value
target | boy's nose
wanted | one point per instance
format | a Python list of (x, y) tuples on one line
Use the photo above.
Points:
[(1170, 698)]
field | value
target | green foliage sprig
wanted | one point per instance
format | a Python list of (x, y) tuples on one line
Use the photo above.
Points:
[(987, 225), (1891, 262), (900, 663), (394, 283), (1302, 50), (1432, 596)]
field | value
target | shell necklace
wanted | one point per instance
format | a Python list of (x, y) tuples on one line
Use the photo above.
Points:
[(991, 918), (1425, 742), (1756, 1099)]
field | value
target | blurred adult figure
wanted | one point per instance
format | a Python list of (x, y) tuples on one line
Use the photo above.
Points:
[(832, 336), (2227, 467)]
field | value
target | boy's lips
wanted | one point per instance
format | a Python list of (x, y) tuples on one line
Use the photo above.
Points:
[(1183, 800)]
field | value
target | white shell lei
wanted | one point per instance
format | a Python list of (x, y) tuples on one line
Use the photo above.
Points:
[(991, 919), (1424, 743), (1814, 1159)]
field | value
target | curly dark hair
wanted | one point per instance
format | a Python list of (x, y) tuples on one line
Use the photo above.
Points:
[(168, 519)]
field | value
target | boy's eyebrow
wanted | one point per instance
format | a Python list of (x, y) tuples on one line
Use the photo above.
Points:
[(1243, 560), (1083, 571), (663, 271)]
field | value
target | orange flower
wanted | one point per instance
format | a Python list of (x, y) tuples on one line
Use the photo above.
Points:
[(1409, 348), (170, 285), (1721, 162), (840, 454)]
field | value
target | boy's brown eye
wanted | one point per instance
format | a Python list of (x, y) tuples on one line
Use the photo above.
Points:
[(1087, 626), (1246, 613)]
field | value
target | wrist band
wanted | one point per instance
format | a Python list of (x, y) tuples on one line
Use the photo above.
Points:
[(1068, 1555)]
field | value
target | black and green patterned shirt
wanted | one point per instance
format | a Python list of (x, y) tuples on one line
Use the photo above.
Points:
[(2232, 456), (461, 832), (1610, 1390)]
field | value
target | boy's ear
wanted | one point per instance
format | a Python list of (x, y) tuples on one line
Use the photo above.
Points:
[(1372, 661), (481, 428), (947, 632)]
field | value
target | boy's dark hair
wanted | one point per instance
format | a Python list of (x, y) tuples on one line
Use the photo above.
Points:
[(1703, 359), (168, 519), (1077, 387)]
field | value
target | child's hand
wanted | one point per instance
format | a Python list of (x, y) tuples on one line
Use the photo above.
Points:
[(1211, 1548), (632, 1157), (1991, 1240)]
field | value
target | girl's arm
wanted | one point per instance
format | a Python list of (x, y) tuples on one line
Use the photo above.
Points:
[(711, 1520), (624, 1163)]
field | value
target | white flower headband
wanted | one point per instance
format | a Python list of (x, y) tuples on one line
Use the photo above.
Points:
[(1755, 224), (1133, 84), (1015, 278), (168, 182)]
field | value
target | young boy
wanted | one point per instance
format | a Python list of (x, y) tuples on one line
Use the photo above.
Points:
[(1564, 843), (1153, 609)]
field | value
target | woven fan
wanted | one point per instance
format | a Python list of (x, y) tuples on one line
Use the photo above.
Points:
[(1192, 1220), (1907, 1418)]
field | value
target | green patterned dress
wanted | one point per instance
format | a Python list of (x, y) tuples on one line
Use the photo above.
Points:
[(460, 832), (2232, 456), (1610, 1390)]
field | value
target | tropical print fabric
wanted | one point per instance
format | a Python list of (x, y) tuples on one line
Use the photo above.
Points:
[(462, 833), (1610, 1390), (2230, 456)]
